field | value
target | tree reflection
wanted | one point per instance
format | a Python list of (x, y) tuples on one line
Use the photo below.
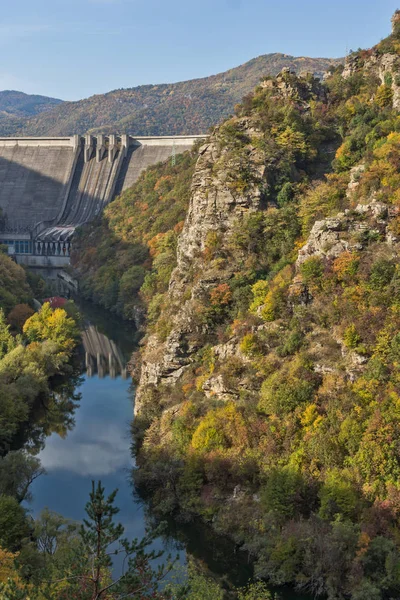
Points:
[(53, 412)]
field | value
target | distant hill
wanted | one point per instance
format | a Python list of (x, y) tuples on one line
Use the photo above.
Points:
[(17, 107), (189, 107), (18, 104)]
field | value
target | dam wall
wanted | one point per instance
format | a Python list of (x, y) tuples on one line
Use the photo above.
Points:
[(50, 186)]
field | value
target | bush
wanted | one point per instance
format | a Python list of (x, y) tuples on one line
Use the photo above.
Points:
[(338, 497), (312, 270), (381, 274)]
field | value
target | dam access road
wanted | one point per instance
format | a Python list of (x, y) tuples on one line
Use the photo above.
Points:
[(49, 186)]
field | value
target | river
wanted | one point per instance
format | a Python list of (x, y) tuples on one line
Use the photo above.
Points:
[(97, 445)]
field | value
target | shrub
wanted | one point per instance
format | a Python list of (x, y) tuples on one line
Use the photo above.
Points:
[(351, 338), (250, 345), (381, 274), (338, 497), (312, 270), (384, 96)]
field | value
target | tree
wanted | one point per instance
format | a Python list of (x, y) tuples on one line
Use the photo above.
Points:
[(54, 325), (7, 341), (17, 471), (100, 538), (19, 315), (14, 526)]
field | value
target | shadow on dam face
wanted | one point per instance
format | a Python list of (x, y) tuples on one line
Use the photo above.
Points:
[(50, 186), (28, 193)]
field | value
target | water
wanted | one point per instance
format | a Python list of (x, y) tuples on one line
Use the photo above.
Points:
[(97, 445)]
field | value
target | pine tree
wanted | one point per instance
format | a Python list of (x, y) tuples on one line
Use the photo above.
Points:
[(101, 538)]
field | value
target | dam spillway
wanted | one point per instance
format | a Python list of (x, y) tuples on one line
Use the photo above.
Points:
[(50, 186)]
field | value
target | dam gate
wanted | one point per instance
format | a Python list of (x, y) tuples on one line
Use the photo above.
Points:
[(51, 186)]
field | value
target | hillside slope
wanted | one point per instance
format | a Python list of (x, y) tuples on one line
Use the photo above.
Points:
[(189, 107), (16, 107), (268, 401), (269, 394), (25, 105)]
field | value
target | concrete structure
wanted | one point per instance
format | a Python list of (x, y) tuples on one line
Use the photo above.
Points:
[(49, 186)]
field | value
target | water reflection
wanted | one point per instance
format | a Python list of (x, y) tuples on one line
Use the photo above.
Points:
[(53, 411), (102, 355), (98, 444)]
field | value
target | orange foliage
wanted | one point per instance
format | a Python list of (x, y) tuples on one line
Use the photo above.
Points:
[(178, 227), (161, 181), (221, 295), (153, 244), (346, 264)]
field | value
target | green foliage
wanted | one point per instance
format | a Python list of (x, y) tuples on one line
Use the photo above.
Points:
[(338, 497), (282, 492), (126, 258), (14, 288), (14, 525), (351, 338), (381, 274), (17, 472), (7, 341), (255, 591), (312, 270), (25, 369)]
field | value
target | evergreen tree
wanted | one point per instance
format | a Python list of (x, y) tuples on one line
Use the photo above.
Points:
[(101, 538)]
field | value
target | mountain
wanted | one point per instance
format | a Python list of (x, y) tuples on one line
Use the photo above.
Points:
[(19, 104), (189, 107), (16, 107)]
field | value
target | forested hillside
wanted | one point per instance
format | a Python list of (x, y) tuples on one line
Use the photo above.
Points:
[(189, 107), (268, 399), (132, 247), (16, 107)]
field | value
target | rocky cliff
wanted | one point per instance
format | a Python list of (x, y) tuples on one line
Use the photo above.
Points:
[(232, 179), (269, 395)]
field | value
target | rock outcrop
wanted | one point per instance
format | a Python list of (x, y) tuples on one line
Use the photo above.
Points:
[(216, 204)]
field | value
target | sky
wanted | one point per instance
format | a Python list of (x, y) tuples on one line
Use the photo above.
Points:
[(72, 49)]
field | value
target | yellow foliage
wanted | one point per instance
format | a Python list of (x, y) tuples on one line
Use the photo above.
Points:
[(220, 429), (310, 417), (346, 264), (7, 567), (54, 325), (274, 291)]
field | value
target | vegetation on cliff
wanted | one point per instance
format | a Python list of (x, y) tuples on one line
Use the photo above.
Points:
[(126, 258), (269, 396)]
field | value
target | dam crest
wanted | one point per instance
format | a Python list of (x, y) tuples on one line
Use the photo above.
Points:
[(49, 186)]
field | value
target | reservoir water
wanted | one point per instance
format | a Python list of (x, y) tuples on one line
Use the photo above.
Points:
[(94, 442)]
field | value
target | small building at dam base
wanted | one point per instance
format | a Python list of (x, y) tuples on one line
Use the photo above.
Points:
[(49, 186)]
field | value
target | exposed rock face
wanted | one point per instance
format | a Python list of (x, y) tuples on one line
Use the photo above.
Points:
[(331, 237), (216, 204), (383, 67)]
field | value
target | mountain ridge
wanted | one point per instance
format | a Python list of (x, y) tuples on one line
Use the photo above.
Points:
[(186, 107)]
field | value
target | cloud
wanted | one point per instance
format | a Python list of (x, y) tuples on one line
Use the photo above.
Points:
[(107, 451)]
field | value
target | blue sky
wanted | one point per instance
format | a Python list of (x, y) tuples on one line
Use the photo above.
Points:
[(72, 49)]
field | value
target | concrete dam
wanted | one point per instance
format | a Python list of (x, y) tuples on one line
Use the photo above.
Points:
[(50, 186)]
